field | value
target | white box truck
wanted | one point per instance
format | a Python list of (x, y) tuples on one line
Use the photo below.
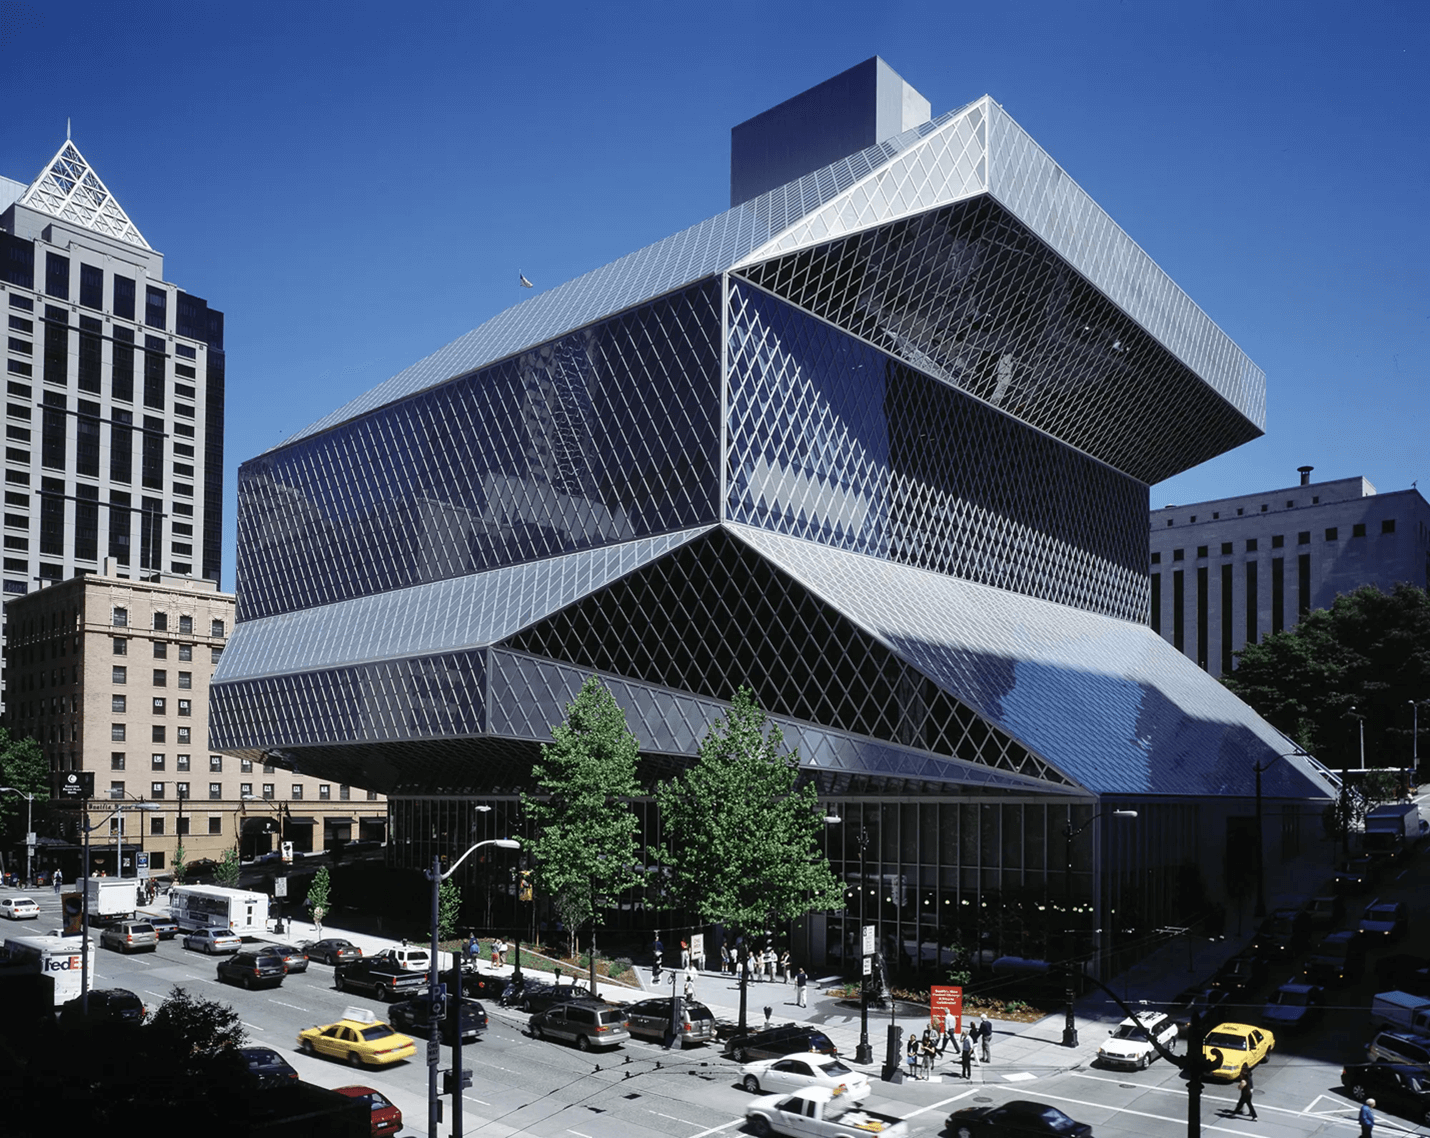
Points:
[(57, 957), (111, 898), (1400, 1011), (212, 907), (1394, 828)]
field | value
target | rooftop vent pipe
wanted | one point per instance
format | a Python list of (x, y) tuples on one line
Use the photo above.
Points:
[(1305, 474)]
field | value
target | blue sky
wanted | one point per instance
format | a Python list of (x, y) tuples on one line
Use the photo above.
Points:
[(357, 185)]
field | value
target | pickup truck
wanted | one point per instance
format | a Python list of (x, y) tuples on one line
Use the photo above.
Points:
[(820, 1112), (379, 975)]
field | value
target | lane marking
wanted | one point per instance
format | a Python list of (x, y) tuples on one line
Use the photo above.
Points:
[(671, 1117), (469, 1098), (578, 1134), (1160, 1117), (284, 1004), (717, 1129), (1020, 1076), (936, 1105)]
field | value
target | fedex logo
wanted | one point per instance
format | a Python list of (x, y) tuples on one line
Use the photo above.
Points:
[(62, 964)]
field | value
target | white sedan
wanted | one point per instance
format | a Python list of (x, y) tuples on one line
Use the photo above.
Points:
[(795, 1072), (213, 940), (20, 908)]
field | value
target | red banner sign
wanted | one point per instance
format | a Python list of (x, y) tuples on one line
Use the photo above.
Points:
[(946, 1001)]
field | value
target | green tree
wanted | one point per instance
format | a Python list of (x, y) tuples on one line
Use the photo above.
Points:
[(449, 908), (1362, 660), (227, 870), (743, 837), (181, 865), (585, 844), (23, 766), (319, 897), (207, 1028)]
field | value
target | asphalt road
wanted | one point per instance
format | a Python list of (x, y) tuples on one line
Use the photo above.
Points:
[(524, 1086)]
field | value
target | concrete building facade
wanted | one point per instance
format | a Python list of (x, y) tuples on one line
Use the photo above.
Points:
[(112, 675), (1228, 572)]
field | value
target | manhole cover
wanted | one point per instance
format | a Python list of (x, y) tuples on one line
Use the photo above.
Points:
[(982, 1098), (1128, 1086)]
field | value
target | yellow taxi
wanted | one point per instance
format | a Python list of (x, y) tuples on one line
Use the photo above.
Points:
[(1229, 1047), (358, 1039)]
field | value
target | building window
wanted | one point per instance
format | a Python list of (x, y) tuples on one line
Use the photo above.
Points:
[(161, 622), (1263, 507), (181, 789), (215, 790), (1332, 534), (245, 766), (186, 681), (116, 760), (121, 646), (156, 790), (1251, 545), (160, 705), (216, 628), (297, 791), (325, 791), (161, 650), (215, 821), (1303, 537), (1387, 525), (157, 734), (245, 790), (345, 792), (1201, 551), (116, 704), (267, 790), (186, 626), (161, 678), (267, 768), (181, 825), (185, 706), (156, 825), (186, 651), (1239, 511), (372, 796), (1156, 559), (1226, 549), (156, 762), (214, 655), (116, 790), (183, 738), (1178, 554), (1358, 529), (116, 732), (121, 618), (1278, 540), (216, 764)]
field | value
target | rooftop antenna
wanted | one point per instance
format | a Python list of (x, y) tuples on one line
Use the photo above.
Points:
[(67, 129)]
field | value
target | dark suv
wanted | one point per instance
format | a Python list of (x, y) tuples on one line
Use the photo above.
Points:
[(106, 1005), (1337, 960), (777, 1042), (252, 969)]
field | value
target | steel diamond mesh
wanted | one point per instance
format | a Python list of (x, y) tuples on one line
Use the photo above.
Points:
[(712, 615), (70, 190), (834, 441), (968, 294), (608, 434)]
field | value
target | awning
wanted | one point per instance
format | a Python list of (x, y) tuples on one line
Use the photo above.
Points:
[(302, 821), (331, 820)]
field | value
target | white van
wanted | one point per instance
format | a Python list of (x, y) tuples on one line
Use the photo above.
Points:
[(1400, 1011), (57, 957)]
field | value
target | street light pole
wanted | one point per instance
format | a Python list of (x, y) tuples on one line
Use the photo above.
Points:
[(29, 829), (1069, 951), (84, 897), (434, 1037), (1414, 745)]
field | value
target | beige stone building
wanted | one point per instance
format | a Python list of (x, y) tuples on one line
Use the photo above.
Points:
[(112, 675)]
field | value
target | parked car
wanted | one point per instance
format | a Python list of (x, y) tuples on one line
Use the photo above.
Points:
[(1240, 974), (1019, 1117), (484, 985), (1404, 972), (1384, 920), (106, 1005), (777, 1042), (587, 1024), (1293, 1006), (268, 1069), (1200, 1000), (330, 950), (1325, 913), (19, 908), (199, 871), (213, 940), (416, 1016), (794, 1072), (252, 969), (533, 995), (359, 1039), (1235, 1045), (1355, 875), (130, 936), (1130, 1044), (1399, 1047), (1282, 935), (293, 959), (1338, 959), (1397, 1088), (651, 1020), (166, 927), (386, 1118)]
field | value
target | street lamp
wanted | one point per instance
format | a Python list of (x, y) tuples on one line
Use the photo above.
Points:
[(1070, 1026), (1414, 745), (434, 1035), (29, 827), (84, 894), (864, 1053), (1260, 842)]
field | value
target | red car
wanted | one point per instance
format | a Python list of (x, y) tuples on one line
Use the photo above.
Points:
[(386, 1118)]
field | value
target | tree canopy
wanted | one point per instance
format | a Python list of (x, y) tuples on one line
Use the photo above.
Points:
[(585, 849), (23, 766), (1367, 655)]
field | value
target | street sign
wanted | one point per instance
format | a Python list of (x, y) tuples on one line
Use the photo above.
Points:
[(287, 850), (434, 1047), (280, 887), (945, 1000), (869, 931), (868, 966), (74, 787), (697, 945)]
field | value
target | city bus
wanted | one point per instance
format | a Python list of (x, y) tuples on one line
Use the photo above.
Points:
[(212, 907)]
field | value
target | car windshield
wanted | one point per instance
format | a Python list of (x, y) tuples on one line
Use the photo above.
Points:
[(141, 928), (835, 1067), (1131, 1031), (611, 1016), (1381, 913), (1291, 999), (377, 1031), (1058, 1121), (1226, 1041)]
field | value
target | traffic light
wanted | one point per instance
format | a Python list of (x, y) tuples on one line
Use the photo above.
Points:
[(448, 1081)]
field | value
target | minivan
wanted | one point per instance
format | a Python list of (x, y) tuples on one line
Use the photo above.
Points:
[(587, 1024), (651, 1020), (1398, 1047)]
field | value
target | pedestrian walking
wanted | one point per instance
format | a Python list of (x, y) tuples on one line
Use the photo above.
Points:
[(965, 1053), (928, 1048), (985, 1037), (685, 955), (689, 986), (59, 880), (473, 950), (1367, 1119), (495, 954), (724, 957), (950, 1032), (1244, 1085), (801, 982)]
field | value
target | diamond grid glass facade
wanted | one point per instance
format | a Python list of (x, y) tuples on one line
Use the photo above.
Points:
[(875, 444)]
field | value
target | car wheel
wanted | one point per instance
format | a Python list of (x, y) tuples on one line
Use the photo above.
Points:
[(1359, 1093), (742, 1056), (383, 996), (1145, 1063), (354, 1059), (751, 1084), (248, 982), (582, 1043), (760, 1125), (306, 1047), (338, 984), (536, 1031), (965, 1132)]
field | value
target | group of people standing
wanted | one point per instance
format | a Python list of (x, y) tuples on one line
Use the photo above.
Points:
[(922, 1050)]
